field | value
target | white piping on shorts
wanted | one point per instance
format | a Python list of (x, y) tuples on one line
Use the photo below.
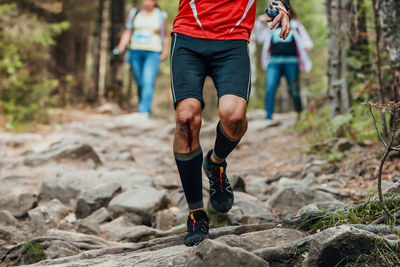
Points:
[(249, 5), (248, 86), (172, 72), (195, 14)]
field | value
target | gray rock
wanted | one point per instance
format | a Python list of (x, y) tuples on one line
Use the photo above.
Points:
[(291, 198), (127, 179), (390, 187), (143, 201), (326, 248), (6, 218), (95, 198), (168, 218), (18, 205), (59, 249), (7, 234), (88, 227), (247, 210), (100, 216), (66, 149), (48, 215), (210, 253), (262, 239), (257, 187), (56, 210), (337, 244), (67, 185), (237, 183), (41, 219), (122, 229), (320, 206)]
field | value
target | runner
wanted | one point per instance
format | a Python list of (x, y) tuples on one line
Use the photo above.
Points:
[(146, 36), (210, 38)]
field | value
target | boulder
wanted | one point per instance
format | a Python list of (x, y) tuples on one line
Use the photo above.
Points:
[(56, 210), (262, 239), (65, 149), (214, 253), (6, 218), (343, 244), (95, 198), (257, 187), (291, 198), (122, 229), (335, 244), (88, 227), (41, 219), (100, 216), (247, 210), (18, 205), (143, 201), (67, 185), (168, 218)]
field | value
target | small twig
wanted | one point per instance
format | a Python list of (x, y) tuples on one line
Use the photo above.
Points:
[(376, 126)]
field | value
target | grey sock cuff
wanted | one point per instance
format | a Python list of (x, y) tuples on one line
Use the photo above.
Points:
[(218, 158), (225, 134), (190, 156), (196, 206)]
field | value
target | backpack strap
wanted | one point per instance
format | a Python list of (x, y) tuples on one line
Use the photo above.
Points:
[(131, 18)]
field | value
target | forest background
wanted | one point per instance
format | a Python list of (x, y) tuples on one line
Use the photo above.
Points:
[(55, 56)]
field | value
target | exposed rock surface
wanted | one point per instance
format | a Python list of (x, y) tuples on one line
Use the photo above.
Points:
[(110, 195), (18, 205)]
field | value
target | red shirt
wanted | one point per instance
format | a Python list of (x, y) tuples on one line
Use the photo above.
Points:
[(216, 19)]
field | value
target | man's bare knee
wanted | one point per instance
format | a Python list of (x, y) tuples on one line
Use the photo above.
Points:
[(234, 124)]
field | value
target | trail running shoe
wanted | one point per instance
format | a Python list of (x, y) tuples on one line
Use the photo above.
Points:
[(197, 225), (221, 194)]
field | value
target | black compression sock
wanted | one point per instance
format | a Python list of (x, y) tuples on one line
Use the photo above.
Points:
[(224, 144), (189, 167)]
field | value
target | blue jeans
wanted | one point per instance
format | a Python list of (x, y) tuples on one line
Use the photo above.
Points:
[(145, 66), (273, 75)]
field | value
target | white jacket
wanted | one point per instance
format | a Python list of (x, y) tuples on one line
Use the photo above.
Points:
[(301, 37)]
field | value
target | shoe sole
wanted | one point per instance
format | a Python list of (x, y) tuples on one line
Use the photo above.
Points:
[(194, 243)]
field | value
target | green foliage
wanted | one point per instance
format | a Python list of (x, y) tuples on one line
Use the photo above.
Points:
[(25, 86), (356, 125), (34, 253), (356, 214), (384, 255)]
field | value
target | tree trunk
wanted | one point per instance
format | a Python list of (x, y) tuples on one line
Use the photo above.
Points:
[(389, 13), (104, 50), (117, 64), (337, 13)]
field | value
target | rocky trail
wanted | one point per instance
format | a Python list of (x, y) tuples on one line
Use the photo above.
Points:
[(104, 191)]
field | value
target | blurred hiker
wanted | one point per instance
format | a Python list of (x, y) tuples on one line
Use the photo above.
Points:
[(146, 36), (210, 38), (283, 58)]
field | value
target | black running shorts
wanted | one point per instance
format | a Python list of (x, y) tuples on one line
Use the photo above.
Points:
[(227, 62)]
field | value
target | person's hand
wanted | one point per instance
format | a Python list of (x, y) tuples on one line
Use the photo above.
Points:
[(263, 18), (282, 18), (308, 49), (164, 54)]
